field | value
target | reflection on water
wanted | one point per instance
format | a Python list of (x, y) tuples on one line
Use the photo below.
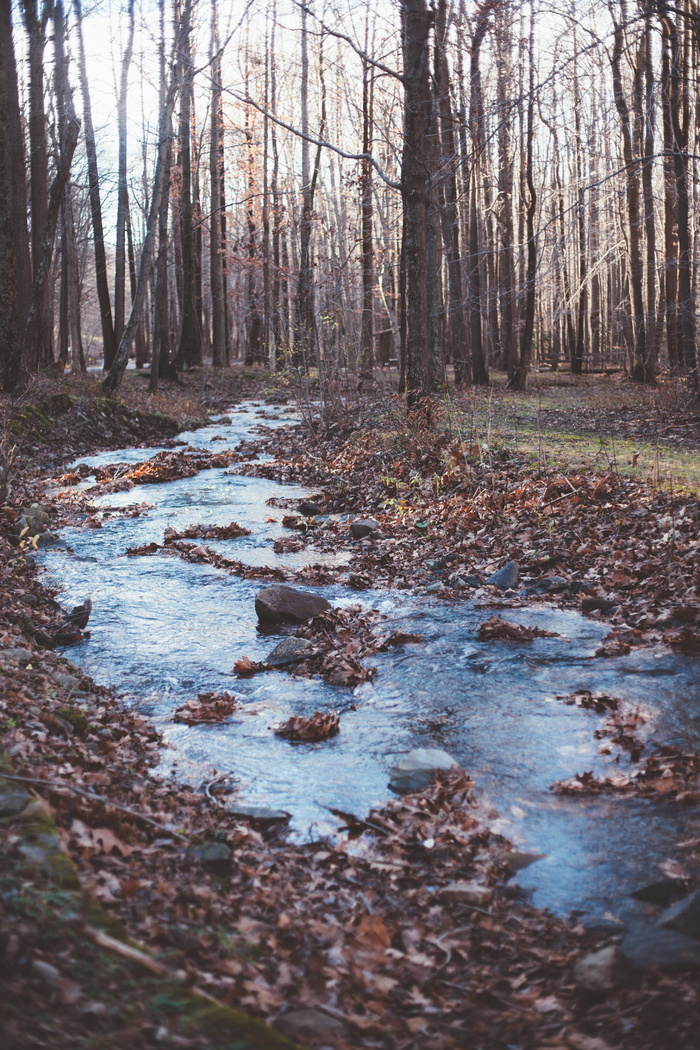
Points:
[(163, 630)]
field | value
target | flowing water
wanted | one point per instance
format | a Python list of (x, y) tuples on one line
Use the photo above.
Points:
[(163, 630)]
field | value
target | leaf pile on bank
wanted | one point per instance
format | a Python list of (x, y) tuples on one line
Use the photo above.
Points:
[(630, 550)]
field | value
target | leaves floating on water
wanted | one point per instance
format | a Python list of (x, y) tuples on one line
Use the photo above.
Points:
[(496, 629), (207, 708), (310, 730), (246, 668), (666, 773), (208, 532)]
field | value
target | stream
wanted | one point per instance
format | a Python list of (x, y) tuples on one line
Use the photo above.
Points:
[(163, 629)]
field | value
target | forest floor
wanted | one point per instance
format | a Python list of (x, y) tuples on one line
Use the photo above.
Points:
[(136, 911)]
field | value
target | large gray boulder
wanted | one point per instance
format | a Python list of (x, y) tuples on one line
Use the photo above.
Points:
[(683, 916), (282, 604), (415, 770)]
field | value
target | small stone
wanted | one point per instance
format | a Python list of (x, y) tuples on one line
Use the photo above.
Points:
[(289, 651), (282, 604), (649, 947), (471, 581), (684, 916), (598, 971), (467, 893), (46, 972), (604, 605), (516, 860), (309, 510), (66, 681), (13, 800), (259, 814), (506, 577), (415, 770), (556, 584), (29, 599), (310, 1022), (215, 857), (47, 539), (17, 656), (366, 527), (432, 588), (662, 892)]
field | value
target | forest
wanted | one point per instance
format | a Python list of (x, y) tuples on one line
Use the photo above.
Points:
[(349, 525), (448, 189)]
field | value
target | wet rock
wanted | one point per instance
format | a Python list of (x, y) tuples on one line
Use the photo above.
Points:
[(652, 947), (663, 892), (556, 584), (604, 605), (517, 860), (506, 577), (311, 1022), (466, 893), (47, 539), (216, 857), (17, 656), (282, 604), (414, 771), (471, 581), (259, 814), (366, 527), (288, 652), (598, 971), (684, 916), (309, 510)]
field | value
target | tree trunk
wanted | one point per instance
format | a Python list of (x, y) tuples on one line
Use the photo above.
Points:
[(519, 379), (189, 348), (449, 212), (122, 188), (108, 341), (15, 265), (633, 201), (113, 379), (35, 24), (415, 198)]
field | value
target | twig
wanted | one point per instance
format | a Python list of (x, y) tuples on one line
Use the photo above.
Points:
[(56, 784), (216, 780), (350, 817), (135, 955)]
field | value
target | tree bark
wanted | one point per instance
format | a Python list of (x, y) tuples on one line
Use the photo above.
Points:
[(122, 188), (116, 373), (107, 325), (415, 198)]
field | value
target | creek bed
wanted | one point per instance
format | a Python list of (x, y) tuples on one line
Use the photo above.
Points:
[(163, 630)]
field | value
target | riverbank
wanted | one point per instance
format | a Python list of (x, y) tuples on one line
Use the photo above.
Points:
[(357, 943)]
